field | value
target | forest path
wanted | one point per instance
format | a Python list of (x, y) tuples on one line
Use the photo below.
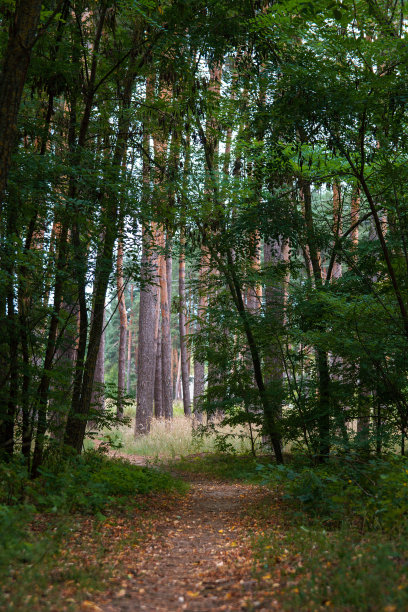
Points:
[(198, 558)]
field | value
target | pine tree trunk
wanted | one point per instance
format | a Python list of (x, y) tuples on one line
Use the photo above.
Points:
[(199, 369), (165, 294), (146, 361), (182, 327), (122, 327), (149, 296), (158, 381), (276, 253)]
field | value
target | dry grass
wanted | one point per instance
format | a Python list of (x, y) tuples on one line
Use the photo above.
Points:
[(177, 438)]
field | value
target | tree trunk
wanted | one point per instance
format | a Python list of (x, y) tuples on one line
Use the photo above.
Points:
[(16, 59), (182, 327), (165, 298), (199, 368), (122, 327), (254, 292), (149, 294), (276, 253), (271, 419), (98, 393), (146, 360), (337, 271), (129, 342), (323, 423), (158, 382)]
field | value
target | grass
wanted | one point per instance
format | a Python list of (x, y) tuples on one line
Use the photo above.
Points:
[(315, 552), (177, 438), (313, 569), (222, 466)]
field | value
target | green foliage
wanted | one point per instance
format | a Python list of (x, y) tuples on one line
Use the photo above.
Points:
[(122, 479), (15, 543), (86, 484), (372, 494), (90, 482)]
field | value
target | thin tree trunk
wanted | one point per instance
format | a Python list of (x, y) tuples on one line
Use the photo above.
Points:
[(355, 215), (321, 355), (270, 417), (199, 368), (337, 226), (182, 327), (98, 392), (122, 326), (158, 382), (254, 292), (129, 342)]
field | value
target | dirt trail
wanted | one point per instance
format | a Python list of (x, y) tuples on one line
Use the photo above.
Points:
[(199, 557)]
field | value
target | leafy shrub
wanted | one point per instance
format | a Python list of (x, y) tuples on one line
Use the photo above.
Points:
[(89, 482), (121, 478), (375, 492), (14, 542), (13, 480)]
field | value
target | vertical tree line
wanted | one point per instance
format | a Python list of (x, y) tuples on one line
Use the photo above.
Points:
[(203, 202)]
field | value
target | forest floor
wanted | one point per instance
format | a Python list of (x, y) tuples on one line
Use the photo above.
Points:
[(197, 557), (227, 543)]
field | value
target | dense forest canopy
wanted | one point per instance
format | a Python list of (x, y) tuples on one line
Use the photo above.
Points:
[(209, 199)]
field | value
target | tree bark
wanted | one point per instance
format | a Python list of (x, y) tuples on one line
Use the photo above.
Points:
[(98, 393), (199, 367), (337, 271), (149, 297), (129, 342), (16, 59), (165, 298), (122, 326), (158, 382), (182, 327), (148, 315), (276, 253)]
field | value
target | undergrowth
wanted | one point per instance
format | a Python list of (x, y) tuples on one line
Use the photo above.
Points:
[(308, 568), (343, 542), (223, 466), (371, 493), (36, 517), (178, 437)]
